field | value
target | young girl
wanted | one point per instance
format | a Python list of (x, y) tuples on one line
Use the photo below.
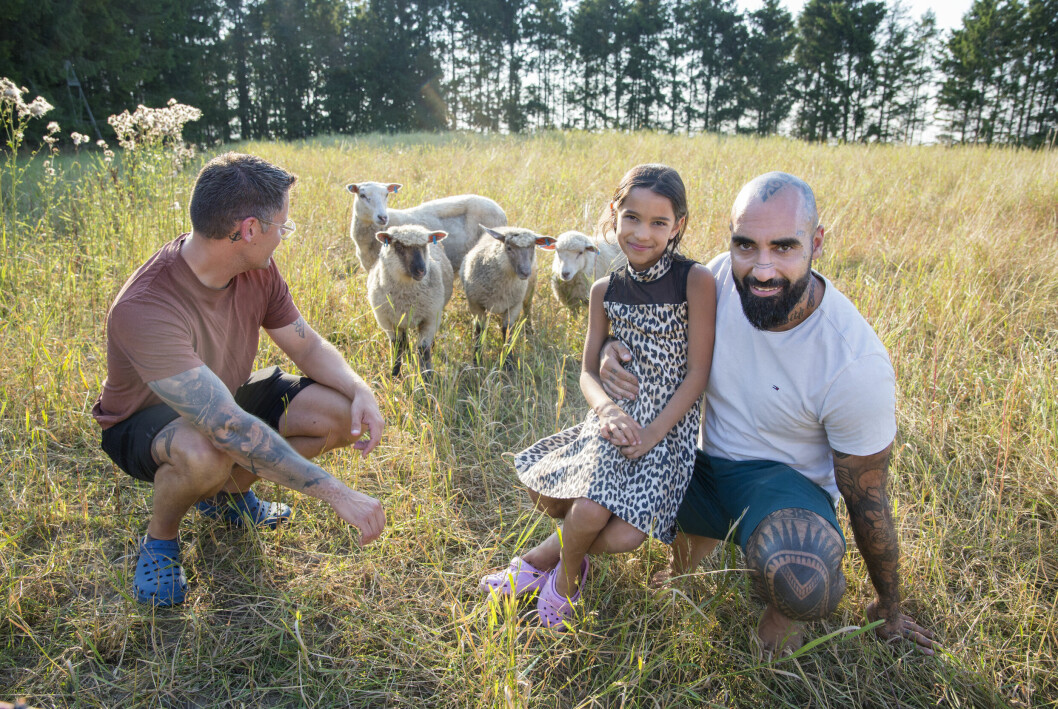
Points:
[(622, 473)]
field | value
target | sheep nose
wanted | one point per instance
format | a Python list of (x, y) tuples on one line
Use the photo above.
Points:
[(382, 219), (566, 275), (418, 273)]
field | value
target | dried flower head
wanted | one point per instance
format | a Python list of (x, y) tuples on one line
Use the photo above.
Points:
[(9, 92), (38, 107)]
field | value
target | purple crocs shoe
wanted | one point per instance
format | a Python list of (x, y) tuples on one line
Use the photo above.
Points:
[(520, 577)]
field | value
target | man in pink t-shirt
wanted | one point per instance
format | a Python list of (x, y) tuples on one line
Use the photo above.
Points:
[(181, 407)]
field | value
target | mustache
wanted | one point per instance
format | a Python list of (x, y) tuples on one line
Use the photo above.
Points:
[(750, 281)]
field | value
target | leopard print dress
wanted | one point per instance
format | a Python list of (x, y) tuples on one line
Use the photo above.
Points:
[(648, 312)]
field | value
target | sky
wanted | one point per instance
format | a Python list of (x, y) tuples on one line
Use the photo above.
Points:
[(949, 12)]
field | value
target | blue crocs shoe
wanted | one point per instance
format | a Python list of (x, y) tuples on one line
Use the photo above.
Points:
[(239, 509), (160, 579)]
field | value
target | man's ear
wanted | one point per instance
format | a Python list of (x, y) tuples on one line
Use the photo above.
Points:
[(817, 242), (250, 228)]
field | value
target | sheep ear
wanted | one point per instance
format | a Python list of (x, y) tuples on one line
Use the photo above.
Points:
[(593, 248), (383, 237), (546, 243), (493, 233), (436, 236), (353, 187), (393, 187)]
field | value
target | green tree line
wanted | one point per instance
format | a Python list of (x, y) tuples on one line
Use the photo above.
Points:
[(841, 70)]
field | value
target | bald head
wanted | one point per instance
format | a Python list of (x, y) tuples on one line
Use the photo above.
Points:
[(778, 191)]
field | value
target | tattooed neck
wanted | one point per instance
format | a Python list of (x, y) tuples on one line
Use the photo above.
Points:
[(805, 308)]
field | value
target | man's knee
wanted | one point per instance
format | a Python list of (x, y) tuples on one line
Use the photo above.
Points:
[(195, 459), (796, 558), (322, 413)]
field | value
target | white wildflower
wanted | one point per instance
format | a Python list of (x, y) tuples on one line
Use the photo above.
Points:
[(9, 91), (38, 107), (79, 138), (53, 128)]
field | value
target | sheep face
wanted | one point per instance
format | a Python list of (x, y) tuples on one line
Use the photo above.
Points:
[(574, 254), (519, 246), (408, 245), (369, 202)]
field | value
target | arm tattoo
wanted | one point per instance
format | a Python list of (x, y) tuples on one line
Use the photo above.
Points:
[(862, 481), (299, 327), (201, 398)]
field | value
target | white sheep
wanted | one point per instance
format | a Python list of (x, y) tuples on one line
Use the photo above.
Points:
[(409, 286), (497, 274), (462, 217), (580, 260)]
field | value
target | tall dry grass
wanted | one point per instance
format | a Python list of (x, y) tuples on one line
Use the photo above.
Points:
[(952, 255)]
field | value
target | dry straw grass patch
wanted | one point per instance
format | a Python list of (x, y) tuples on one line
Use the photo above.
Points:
[(951, 254)]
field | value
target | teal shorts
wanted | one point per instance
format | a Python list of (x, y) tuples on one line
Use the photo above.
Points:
[(721, 490)]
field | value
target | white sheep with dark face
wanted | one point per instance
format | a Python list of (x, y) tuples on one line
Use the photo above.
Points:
[(408, 287), (580, 260), (462, 217), (498, 276)]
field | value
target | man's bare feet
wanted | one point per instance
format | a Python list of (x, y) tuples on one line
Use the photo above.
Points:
[(661, 579), (779, 635)]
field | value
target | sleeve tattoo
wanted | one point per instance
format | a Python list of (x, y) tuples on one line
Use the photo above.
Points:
[(862, 481), (201, 398)]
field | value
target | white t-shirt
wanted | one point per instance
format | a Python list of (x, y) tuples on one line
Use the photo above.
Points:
[(792, 396)]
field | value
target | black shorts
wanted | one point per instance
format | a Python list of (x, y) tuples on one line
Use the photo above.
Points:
[(266, 395)]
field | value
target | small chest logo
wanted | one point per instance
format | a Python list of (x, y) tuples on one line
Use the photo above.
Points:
[(775, 387)]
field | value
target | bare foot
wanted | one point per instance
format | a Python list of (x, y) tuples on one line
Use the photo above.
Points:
[(779, 635), (662, 579)]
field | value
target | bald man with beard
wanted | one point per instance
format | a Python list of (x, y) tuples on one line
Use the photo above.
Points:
[(800, 409)]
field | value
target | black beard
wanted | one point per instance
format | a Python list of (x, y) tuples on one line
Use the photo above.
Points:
[(772, 312)]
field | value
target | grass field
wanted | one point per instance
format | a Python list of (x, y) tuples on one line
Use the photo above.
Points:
[(951, 254)]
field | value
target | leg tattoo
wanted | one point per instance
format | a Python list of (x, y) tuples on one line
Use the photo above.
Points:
[(796, 556)]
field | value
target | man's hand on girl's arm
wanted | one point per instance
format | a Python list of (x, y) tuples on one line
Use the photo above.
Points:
[(617, 381)]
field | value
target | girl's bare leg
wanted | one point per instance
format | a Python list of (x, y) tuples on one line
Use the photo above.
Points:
[(581, 527), (617, 537)]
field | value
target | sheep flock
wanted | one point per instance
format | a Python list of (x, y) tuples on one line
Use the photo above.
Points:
[(412, 255)]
